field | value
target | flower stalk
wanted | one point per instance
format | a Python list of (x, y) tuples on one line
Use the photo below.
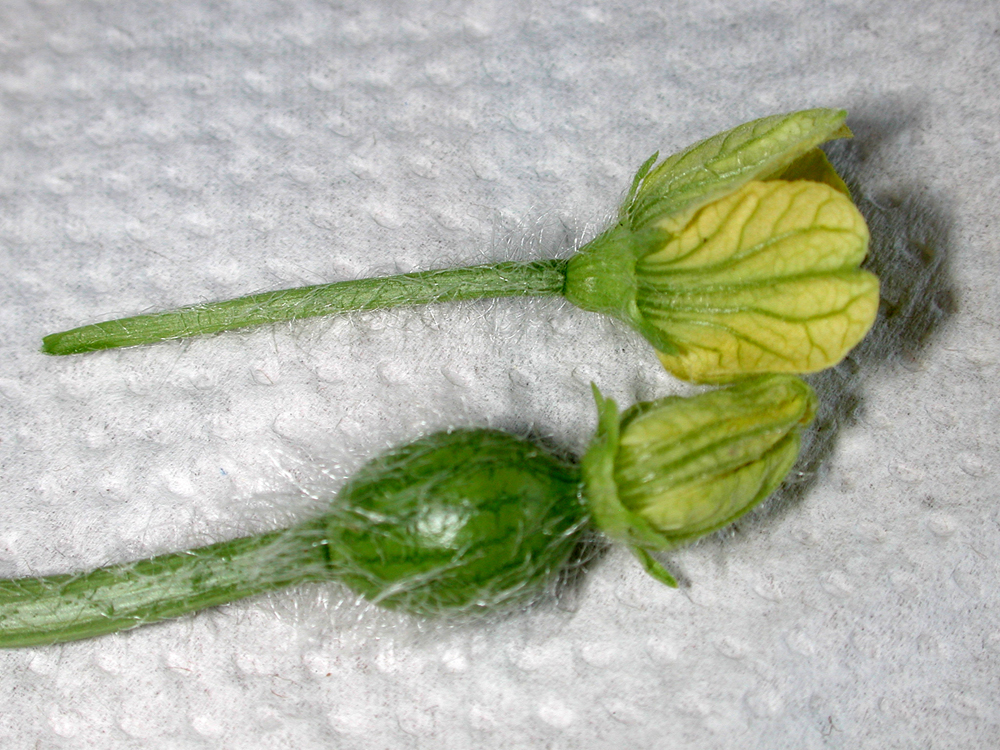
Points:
[(538, 278), (68, 607)]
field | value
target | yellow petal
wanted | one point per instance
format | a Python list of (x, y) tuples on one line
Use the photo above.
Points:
[(814, 166), (764, 230), (796, 326), (763, 280)]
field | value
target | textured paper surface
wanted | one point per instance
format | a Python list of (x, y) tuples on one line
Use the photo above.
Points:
[(162, 154)]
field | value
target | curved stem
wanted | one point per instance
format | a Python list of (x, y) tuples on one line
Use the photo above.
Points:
[(498, 280), (57, 608)]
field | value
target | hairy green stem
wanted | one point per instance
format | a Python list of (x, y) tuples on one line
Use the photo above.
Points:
[(509, 279), (67, 607)]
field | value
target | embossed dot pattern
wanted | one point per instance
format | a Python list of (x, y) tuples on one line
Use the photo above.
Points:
[(157, 154)]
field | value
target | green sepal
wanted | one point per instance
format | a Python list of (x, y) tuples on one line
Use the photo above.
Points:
[(634, 187), (601, 278), (597, 469), (601, 494), (653, 568)]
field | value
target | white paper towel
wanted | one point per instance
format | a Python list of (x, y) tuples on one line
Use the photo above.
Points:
[(159, 154)]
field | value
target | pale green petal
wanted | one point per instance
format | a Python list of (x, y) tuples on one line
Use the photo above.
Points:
[(681, 439), (669, 445), (675, 469), (757, 150), (717, 498), (641, 485)]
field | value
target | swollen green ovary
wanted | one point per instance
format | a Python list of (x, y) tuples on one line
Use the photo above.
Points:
[(460, 522)]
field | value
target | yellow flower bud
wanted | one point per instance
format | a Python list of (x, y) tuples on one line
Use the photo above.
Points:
[(738, 256), (667, 472)]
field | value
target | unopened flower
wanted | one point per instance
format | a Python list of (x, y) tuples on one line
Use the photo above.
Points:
[(667, 472)]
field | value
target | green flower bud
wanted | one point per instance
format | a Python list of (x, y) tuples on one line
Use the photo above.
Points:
[(669, 471), (738, 256)]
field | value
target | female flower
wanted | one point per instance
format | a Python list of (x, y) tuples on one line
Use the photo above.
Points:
[(463, 522)]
